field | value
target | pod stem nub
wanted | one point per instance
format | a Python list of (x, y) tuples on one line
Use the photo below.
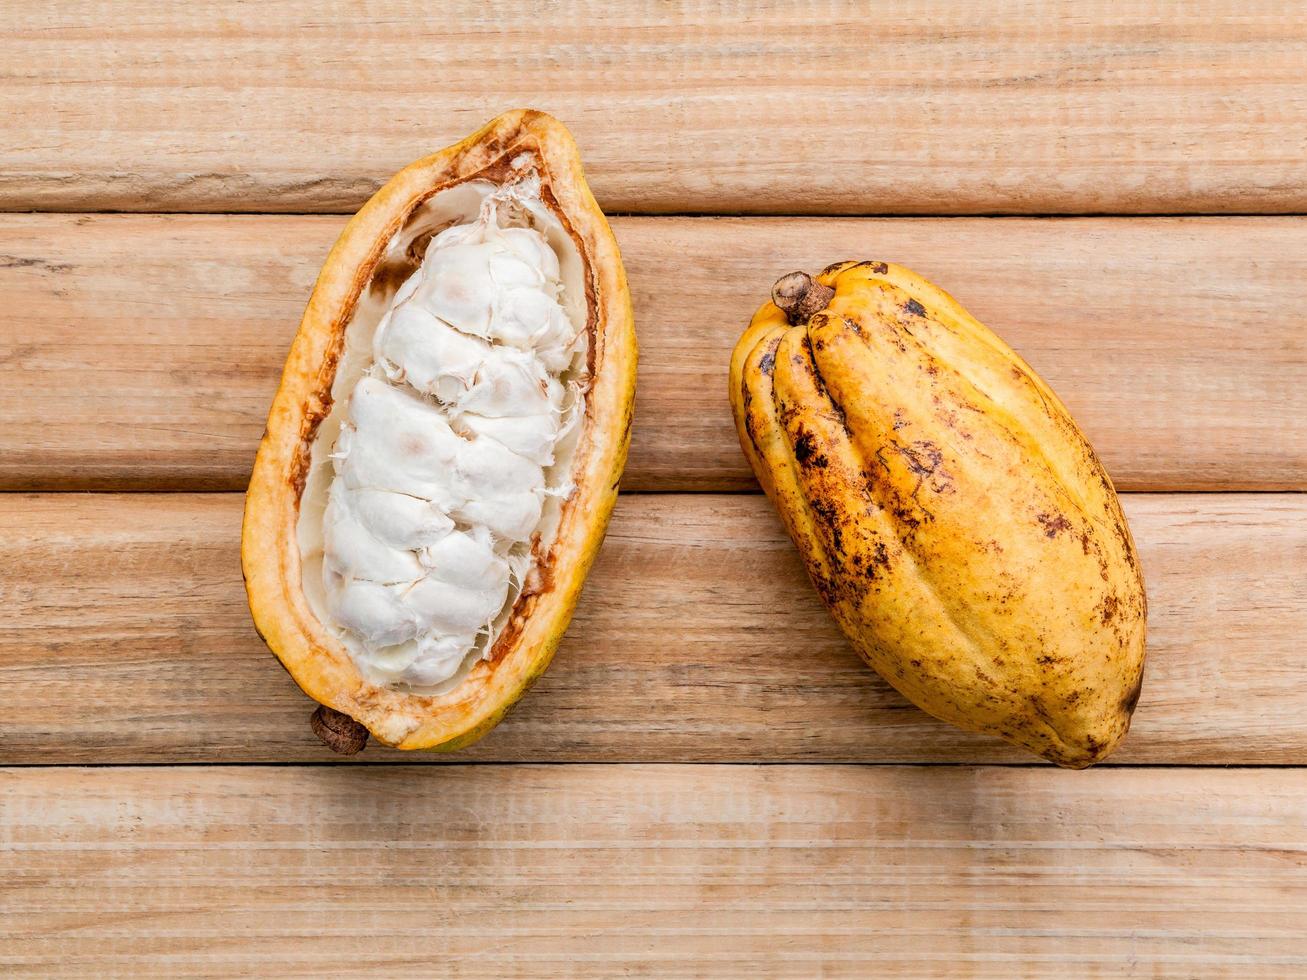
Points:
[(799, 296), (338, 731)]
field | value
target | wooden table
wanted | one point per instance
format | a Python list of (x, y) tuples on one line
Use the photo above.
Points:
[(706, 783)]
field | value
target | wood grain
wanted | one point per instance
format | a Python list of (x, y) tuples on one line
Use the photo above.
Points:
[(125, 636), (666, 871), (920, 107), (142, 352)]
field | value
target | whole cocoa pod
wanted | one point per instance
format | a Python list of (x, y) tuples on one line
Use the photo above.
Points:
[(950, 513)]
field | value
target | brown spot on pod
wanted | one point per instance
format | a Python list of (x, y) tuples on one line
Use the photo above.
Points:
[(805, 446), (1053, 524), (1132, 699)]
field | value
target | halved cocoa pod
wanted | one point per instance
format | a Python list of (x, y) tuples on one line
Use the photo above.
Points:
[(443, 453)]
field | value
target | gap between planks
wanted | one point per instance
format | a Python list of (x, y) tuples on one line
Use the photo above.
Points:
[(454, 762)]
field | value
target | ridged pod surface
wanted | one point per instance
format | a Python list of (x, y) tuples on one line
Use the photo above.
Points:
[(950, 513), (379, 248)]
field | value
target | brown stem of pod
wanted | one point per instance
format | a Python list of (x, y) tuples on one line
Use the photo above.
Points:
[(799, 296), (338, 731)]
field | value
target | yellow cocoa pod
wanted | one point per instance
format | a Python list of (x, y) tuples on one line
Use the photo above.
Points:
[(443, 453), (950, 513)]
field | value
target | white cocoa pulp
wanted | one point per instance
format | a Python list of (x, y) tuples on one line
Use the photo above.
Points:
[(449, 448)]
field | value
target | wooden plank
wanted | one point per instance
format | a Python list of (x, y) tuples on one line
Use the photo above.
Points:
[(142, 352), (125, 635), (1087, 107), (667, 871)]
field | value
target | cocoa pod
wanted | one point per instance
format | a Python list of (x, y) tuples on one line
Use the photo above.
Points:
[(443, 452), (949, 511)]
